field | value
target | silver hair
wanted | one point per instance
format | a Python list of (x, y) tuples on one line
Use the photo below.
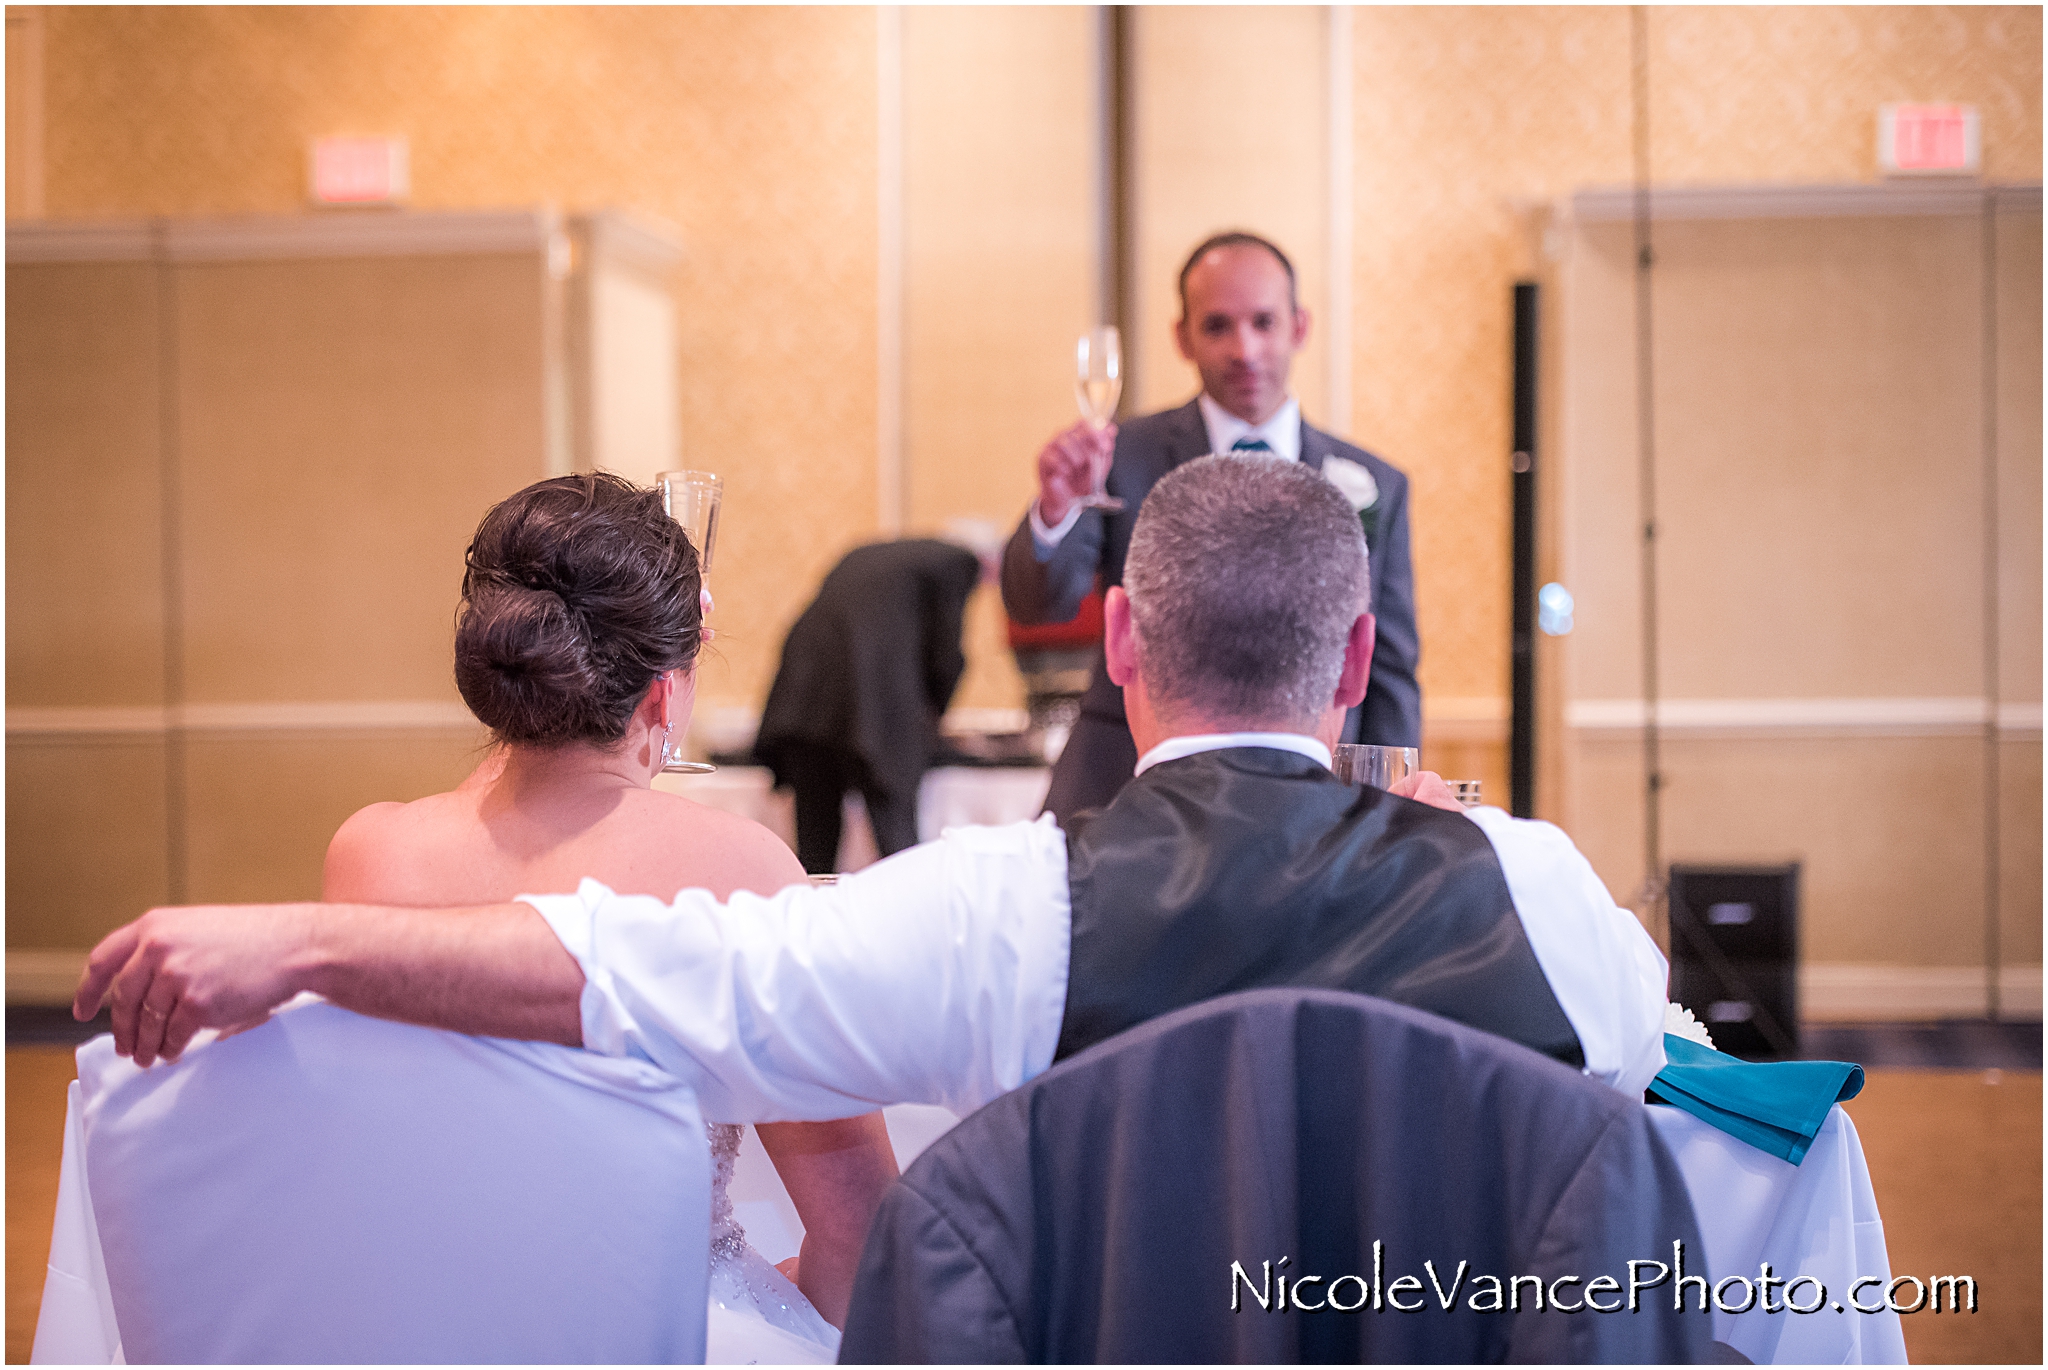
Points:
[(1245, 575)]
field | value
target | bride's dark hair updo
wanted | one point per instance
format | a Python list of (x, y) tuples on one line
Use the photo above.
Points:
[(579, 592)]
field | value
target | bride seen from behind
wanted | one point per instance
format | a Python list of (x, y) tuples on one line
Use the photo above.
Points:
[(576, 643)]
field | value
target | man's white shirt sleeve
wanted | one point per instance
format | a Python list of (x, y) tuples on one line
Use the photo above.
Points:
[(1046, 538), (937, 976), (1607, 974)]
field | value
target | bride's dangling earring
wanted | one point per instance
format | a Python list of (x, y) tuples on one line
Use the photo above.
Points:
[(668, 726), (672, 756)]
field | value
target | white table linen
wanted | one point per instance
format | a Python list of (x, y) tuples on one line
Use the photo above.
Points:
[(1817, 1218), (75, 1325), (948, 797)]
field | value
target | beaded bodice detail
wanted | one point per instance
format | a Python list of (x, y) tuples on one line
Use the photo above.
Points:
[(744, 1287), (728, 1238)]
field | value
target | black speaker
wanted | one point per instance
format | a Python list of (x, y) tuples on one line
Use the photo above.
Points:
[(1522, 587), (1735, 955)]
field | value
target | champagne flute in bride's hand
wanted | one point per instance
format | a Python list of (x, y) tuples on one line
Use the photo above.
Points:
[(692, 499), (1099, 384)]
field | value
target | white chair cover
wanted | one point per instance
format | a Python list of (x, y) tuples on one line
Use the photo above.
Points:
[(1817, 1218), (333, 1188), (75, 1325)]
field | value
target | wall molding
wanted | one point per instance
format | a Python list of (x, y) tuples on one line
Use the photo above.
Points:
[(1617, 205), (44, 977), (1900, 716), (298, 716), (1878, 993), (1445, 718), (638, 241), (1482, 717), (47, 241), (1464, 718), (340, 233)]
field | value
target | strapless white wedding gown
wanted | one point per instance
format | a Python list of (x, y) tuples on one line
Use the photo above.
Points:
[(756, 1316)]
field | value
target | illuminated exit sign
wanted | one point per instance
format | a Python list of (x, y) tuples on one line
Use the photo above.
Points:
[(360, 171), (1928, 140)]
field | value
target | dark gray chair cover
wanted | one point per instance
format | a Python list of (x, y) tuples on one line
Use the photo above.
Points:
[(1095, 1213)]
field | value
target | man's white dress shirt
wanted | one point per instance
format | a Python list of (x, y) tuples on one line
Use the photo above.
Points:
[(940, 975), (1281, 432)]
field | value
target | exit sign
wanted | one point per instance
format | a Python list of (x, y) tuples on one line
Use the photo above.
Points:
[(1928, 140), (360, 171)]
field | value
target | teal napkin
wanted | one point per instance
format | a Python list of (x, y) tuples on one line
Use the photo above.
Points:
[(1775, 1106)]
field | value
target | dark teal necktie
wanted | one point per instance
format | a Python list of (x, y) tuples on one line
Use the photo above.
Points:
[(1251, 444)]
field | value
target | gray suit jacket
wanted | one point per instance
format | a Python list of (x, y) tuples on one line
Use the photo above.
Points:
[(1095, 1214), (1094, 766)]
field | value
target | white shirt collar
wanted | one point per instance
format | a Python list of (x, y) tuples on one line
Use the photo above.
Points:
[(1282, 432), (1174, 748)]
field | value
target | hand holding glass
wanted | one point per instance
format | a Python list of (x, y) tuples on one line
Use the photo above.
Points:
[(1099, 384), (1357, 763)]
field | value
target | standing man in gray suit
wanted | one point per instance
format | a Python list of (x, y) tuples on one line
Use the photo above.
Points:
[(1241, 324)]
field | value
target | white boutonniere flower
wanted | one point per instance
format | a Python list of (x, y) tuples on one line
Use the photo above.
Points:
[(1353, 481), (1679, 1022)]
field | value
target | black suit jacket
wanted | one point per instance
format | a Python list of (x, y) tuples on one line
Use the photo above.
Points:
[(1146, 449), (870, 666), (1101, 1212)]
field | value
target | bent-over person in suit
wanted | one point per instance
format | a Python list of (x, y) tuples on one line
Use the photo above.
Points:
[(1240, 326), (866, 674)]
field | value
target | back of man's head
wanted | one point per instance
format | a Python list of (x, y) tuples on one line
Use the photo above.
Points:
[(1245, 575)]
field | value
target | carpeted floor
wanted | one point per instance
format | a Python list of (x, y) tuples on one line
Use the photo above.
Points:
[(1955, 1156)]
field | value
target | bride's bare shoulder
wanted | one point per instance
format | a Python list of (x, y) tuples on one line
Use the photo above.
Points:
[(723, 851), (381, 852)]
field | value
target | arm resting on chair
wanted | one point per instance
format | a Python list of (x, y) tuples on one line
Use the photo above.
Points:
[(495, 971)]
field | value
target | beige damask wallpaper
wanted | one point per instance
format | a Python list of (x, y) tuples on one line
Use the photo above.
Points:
[(754, 131), (751, 130), (1465, 116)]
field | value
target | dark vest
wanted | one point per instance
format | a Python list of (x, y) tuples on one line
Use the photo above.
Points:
[(1254, 867)]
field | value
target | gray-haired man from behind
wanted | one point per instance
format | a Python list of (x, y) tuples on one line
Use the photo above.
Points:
[(956, 970)]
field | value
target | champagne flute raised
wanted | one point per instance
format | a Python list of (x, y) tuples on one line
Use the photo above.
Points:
[(1099, 384)]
